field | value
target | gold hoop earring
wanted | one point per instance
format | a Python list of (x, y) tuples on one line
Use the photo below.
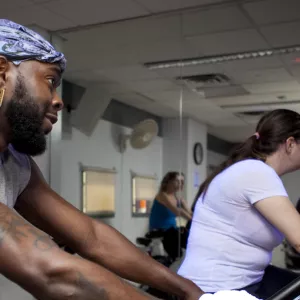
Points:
[(2, 92)]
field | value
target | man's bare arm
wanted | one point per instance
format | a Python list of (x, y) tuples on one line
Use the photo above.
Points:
[(31, 259), (96, 241)]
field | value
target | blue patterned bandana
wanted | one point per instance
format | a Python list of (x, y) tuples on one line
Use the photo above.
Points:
[(18, 44)]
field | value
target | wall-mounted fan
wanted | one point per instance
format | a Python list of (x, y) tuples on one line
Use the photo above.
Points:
[(141, 136)]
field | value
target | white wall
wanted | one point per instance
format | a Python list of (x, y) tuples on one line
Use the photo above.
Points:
[(214, 158), (101, 150)]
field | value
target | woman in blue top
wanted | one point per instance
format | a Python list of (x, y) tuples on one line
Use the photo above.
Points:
[(166, 207)]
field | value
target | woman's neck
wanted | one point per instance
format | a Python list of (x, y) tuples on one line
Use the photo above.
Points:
[(168, 192)]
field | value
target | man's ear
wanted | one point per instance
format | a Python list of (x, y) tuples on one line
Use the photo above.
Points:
[(4, 65)]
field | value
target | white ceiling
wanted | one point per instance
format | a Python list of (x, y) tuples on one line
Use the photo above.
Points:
[(132, 32)]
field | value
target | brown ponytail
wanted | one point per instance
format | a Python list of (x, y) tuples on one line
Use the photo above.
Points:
[(273, 129)]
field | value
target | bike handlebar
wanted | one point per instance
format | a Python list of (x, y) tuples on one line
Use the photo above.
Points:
[(289, 292)]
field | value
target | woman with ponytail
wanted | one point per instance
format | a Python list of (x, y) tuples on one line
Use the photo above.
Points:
[(242, 212)]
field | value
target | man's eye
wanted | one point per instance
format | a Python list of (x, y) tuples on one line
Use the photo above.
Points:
[(52, 81)]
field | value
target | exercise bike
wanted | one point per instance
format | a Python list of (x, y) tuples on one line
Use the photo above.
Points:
[(289, 292), (154, 247), (152, 244), (291, 256)]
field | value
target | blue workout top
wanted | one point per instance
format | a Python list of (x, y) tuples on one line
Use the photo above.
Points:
[(161, 217)]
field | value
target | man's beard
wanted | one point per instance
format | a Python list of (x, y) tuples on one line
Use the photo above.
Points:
[(25, 120)]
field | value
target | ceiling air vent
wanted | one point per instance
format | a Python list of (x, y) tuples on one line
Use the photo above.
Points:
[(214, 85), (205, 80), (251, 117)]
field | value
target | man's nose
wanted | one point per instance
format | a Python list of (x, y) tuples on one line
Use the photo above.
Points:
[(57, 103)]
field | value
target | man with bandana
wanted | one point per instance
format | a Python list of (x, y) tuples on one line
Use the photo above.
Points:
[(30, 72)]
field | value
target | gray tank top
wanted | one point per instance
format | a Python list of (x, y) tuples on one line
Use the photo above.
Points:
[(15, 174)]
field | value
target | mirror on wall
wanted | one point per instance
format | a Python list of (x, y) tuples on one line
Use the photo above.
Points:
[(121, 114)]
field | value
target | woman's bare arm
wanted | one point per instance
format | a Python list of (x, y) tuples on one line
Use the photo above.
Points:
[(186, 207), (281, 212), (166, 200)]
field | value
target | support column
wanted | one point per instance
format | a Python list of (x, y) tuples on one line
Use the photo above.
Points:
[(178, 152)]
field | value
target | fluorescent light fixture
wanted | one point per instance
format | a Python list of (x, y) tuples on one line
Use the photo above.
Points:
[(221, 58)]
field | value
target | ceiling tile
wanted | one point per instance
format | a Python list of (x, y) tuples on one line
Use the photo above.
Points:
[(273, 11), (39, 16), (127, 73), (245, 100), (133, 98), (99, 59), (216, 117), (285, 34), (12, 4), (214, 20), (40, 1), (274, 87), (161, 110), (252, 64), (165, 49), (265, 107), (240, 109), (173, 97), (295, 71), (232, 133), (167, 5), (226, 42), (150, 85), (144, 103), (90, 75), (294, 107), (256, 99), (96, 11), (130, 32), (291, 59), (260, 76)]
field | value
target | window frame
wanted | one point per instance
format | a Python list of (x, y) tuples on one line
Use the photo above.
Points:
[(98, 214), (132, 198)]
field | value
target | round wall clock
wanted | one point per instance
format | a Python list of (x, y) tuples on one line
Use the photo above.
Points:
[(198, 153)]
